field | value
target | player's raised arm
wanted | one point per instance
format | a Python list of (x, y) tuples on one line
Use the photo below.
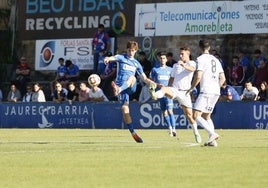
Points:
[(147, 80), (108, 59), (222, 79), (196, 80)]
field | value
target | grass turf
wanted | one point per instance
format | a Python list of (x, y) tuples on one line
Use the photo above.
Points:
[(110, 158)]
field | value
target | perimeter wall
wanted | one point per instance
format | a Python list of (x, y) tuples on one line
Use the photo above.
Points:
[(227, 115)]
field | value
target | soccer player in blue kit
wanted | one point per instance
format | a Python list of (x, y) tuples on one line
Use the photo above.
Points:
[(125, 82), (161, 76)]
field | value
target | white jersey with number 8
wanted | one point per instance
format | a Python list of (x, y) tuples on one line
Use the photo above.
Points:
[(211, 68)]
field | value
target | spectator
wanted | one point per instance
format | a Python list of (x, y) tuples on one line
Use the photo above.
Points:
[(261, 74), (38, 95), (14, 94), (22, 75), (145, 63), (257, 58), (220, 59), (228, 93), (250, 92), (157, 62), (60, 93), (263, 92), (101, 41), (83, 94), (72, 71), (101, 65), (60, 75), (72, 93), (214, 52), (95, 93), (147, 67), (236, 74), (28, 95), (170, 60), (245, 63), (107, 77)]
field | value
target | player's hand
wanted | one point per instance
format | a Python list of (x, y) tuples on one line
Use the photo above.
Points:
[(181, 63), (106, 60), (188, 91)]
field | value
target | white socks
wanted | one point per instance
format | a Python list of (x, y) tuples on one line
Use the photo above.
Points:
[(194, 127), (205, 124)]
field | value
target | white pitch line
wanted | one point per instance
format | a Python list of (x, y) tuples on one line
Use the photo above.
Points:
[(188, 144), (79, 150)]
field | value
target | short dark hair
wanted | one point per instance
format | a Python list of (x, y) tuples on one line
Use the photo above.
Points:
[(108, 54), (60, 59), (142, 53), (169, 54), (235, 57), (163, 53), (68, 63), (257, 51), (204, 44), (101, 26), (185, 48)]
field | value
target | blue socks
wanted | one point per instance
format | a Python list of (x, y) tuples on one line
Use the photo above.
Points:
[(167, 120), (172, 121), (130, 128)]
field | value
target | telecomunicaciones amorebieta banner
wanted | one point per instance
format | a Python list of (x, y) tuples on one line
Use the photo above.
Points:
[(202, 18)]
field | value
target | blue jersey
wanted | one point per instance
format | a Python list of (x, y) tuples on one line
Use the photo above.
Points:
[(244, 62), (256, 61), (229, 90), (61, 70), (100, 41), (73, 70), (101, 65), (161, 75), (126, 67)]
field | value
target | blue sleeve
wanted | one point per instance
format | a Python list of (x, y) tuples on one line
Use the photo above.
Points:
[(139, 69)]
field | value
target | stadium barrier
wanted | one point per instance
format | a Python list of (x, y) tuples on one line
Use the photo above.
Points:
[(107, 115)]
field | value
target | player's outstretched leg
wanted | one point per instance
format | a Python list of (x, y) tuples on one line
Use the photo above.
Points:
[(137, 138), (134, 134), (128, 122)]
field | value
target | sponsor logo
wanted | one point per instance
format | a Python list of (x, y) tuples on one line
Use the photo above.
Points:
[(47, 54)]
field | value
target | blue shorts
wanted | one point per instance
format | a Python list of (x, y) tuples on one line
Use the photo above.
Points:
[(166, 103), (123, 97)]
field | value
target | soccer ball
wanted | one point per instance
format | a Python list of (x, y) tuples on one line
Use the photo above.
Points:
[(94, 80)]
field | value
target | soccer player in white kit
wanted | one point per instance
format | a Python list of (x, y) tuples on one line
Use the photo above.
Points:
[(211, 77), (179, 84)]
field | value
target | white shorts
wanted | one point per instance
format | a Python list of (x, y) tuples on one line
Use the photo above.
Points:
[(206, 102), (181, 97)]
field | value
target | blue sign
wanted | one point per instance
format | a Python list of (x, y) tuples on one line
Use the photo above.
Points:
[(107, 115)]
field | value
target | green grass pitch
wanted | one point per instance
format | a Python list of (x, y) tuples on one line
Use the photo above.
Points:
[(78, 158)]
